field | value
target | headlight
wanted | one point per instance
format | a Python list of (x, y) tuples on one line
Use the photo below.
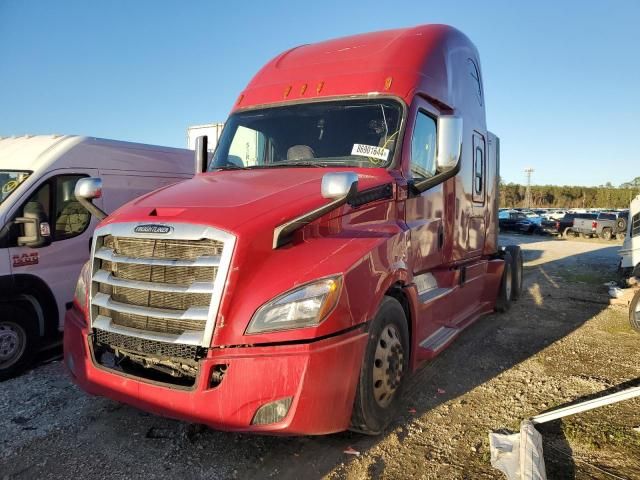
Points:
[(81, 295), (305, 306)]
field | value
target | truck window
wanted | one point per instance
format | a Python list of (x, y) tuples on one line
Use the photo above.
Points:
[(423, 147), (247, 148), (478, 169), (9, 181), (71, 218)]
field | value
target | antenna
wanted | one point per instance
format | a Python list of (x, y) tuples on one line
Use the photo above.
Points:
[(527, 197)]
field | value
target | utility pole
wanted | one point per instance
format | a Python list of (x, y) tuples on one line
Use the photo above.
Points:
[(527, 196)]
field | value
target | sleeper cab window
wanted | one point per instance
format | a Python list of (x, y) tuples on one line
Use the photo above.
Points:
[(423, 147)]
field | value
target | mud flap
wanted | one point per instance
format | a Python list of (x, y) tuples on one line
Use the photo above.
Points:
[(519, 456)]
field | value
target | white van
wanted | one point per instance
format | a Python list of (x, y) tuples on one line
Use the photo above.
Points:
[(630, 251), (45, 234)]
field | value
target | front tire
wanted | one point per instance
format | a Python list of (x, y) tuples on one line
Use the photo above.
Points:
[(384, 369), (18, 340), (634, 312)]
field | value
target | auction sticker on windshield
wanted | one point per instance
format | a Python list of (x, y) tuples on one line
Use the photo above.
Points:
[(370, 151)]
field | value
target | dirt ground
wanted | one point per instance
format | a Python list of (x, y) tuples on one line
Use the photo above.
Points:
[(559, 343)]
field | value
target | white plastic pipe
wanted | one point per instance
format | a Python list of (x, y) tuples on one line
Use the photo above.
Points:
[(588, 405)]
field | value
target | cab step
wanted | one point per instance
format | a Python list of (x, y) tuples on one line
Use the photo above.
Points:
[(438, 340)]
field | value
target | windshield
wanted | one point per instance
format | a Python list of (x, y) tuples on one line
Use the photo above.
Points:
[(9, 181), (354, 133)]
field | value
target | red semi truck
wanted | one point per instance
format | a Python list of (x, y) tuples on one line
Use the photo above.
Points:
[(292, 286)]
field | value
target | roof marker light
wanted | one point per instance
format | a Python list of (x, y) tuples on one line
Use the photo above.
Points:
[(319, 87), (287, 91), (240, 98), (387, 83), (303, 88)]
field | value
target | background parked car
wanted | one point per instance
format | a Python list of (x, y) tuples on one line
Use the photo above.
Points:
[(564, 226), (515, 221)]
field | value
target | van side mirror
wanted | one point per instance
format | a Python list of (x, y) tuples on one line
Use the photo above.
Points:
[(449, 142), (201, 153), (35, 225), (337, 185), (86, 190)]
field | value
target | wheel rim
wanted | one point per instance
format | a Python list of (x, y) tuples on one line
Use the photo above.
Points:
[(388, 365), (13, 341)]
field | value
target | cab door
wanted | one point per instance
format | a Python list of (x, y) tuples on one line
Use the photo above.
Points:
[(424, 211), (59, 263)]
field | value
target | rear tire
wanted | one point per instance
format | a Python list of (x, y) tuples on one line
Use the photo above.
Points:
[(384, 369), (567, 232), (634, 312), (620, 235), (503, 302), (18, 339), (517, 270), (607, 234), (622, 224)]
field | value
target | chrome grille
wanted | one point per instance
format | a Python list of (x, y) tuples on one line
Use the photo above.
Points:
[(154, 285)]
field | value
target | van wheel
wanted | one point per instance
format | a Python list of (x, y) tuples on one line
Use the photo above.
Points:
[(503, 302), (517, 270), (384, 370), (606, 234), (18, 340), (634, 312)]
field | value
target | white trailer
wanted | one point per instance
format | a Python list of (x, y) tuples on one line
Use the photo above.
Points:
[(45, 234), (211, 130)]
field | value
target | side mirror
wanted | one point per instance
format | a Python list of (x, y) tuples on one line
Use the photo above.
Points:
[(201, 153), (35, 224), (449, 142), (86, 190), (336, 185)]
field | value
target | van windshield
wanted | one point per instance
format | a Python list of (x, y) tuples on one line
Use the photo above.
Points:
[(9, 181), (353, 133)]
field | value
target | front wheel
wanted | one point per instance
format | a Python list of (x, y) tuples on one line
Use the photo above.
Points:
[(503, 302), (384, 370), (634, 312), (18, 338)]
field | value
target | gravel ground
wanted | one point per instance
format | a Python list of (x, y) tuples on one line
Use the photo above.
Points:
[(560, 342)]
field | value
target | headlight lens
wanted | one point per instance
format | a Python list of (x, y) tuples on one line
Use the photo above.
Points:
[(81, 295), (305, 306)]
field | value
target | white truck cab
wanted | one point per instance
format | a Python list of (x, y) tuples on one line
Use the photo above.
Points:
[(630, 251), (45, 233)]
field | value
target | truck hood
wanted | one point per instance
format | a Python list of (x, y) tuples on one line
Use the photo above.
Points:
[(230, 199)]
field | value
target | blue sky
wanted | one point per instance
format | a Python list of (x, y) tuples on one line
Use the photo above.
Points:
[(561, 77)]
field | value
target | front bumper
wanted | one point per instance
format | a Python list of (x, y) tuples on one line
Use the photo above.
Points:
[(321, 377)]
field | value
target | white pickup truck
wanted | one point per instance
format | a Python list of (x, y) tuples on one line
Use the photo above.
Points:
[(45, 234)]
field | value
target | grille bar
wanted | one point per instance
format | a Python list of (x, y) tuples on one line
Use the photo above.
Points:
[(204, 261), (103, 276), (194, 313), (141, 345)]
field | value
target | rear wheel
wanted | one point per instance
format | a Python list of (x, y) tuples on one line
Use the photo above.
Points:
[(567, 232), (503, 302), (634, 312), (18, 340), (620, 235), (621, 223), (517, 270), (607, 234), (384, 369)]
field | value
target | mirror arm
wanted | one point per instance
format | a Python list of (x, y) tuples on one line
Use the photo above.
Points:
[(91, 208), (437, 179), (282, 233)]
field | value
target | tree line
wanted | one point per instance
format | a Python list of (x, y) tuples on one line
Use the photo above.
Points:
[(512, 195)]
